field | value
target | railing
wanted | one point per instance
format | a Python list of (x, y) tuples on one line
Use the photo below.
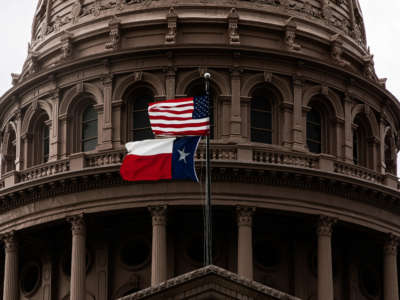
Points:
[(285, 158), (218, 153), (357, 171), (104, 159), (44, 170)]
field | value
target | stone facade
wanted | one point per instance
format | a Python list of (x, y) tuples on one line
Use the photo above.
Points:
[(303, 153)]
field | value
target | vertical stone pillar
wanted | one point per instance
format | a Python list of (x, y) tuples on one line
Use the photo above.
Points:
[(235, 122), (325, 273), (54, 133), (10, 289), (390, 281), (348, 133), (170, 83), (159, 245), (298, 141), (78, 257), (107, 115), (18, 147), (245, 241)]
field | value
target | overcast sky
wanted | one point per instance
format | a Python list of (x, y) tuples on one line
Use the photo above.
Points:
[(380, 17)]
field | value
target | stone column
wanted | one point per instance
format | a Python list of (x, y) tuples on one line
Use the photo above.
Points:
[(170, 82), (348, 133), (325, 274), (298, 140), (159, 245), (245, 241), (390, 282), (19, 154), (107, 129), (235, 118), (78, 257), (11, 288)]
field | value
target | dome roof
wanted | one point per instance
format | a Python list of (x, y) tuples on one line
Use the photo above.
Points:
[(55, 15)]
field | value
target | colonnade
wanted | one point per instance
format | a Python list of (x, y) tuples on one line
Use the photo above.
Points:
[(159, 261)]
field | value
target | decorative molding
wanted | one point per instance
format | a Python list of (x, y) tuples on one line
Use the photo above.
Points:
[(10, 241), (66, 45), (290, 35), (159, 215), (325, 224), (245, 215), (337, 51), (115, 39), (172, 20), (78, 226), (233, 33), (391, 243)]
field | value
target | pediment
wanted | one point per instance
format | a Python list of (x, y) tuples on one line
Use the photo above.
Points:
[(210, 283)]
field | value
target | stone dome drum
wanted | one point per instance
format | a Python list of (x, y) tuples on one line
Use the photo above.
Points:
[(304, 139)]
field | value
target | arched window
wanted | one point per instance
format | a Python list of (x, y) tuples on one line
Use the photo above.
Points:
[(40, 133), (314, 130), (261, 116), (197, 88), (140, 128), (321, 136), (89, 129), (8, 163), (361, 148), (390, 154)]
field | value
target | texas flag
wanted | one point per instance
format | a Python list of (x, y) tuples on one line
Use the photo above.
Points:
[(156, 159)]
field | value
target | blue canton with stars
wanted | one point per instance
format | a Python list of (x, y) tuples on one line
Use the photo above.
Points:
[(200, 107)]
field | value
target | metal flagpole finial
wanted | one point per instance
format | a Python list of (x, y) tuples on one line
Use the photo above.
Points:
[(207, 75)]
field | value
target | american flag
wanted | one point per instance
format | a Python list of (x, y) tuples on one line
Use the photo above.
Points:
[(185, 116)]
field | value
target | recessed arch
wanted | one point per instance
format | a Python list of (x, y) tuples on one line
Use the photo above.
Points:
[(330, 95), (281, 85), (126, 83), (363, 108), (186, 79), (71, 94), (32, 110)]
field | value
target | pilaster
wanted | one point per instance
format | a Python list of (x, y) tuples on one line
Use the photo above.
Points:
[(159, 244), (10, 288), (390, 276), (245, 241)]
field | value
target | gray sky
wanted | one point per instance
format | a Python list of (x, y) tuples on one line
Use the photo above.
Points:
[(381, 20)]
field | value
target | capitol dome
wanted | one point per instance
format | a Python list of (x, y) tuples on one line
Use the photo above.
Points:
[(304, 138)]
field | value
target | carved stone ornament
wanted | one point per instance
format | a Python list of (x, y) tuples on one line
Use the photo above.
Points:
[(326, 10), (137, 76), (290, 35), (172, 20), (66, 45), (15, 78), (369, 67), (267, 76), (10, 242), (78, 226), (390, 246), (245, 215), (325, 224), (34, 58), (159, 215), (337, 51), (76, 10), (114, 42), (233, 18)]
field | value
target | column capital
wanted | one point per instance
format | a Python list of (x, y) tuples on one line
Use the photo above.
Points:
[(391, 243), (245, 215), (324, 227), (78, 226), (159, 214), (10, 241)]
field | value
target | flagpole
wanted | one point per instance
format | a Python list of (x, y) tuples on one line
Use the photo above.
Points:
[(208, 223)]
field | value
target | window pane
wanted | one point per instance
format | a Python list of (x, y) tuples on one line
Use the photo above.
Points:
[(89, 145), (314, 131), (46, 143), (261, 136), (140, 120), (261, 117), (89, 129)]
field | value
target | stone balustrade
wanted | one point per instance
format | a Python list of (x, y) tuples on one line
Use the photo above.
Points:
[(219, 153)]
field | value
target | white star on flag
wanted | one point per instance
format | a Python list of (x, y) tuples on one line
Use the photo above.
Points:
[(183, 155)]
